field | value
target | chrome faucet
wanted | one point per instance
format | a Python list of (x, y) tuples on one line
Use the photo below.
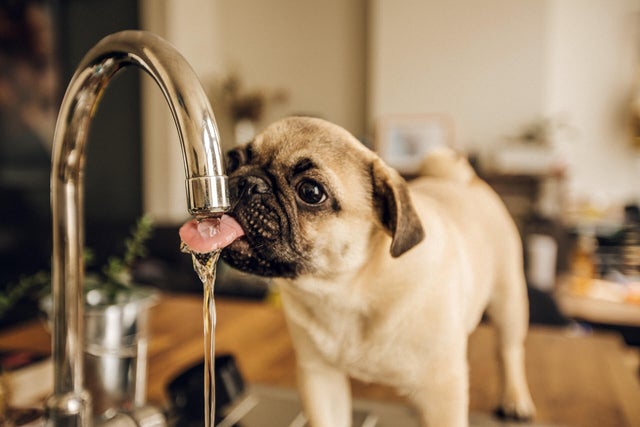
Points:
[(206, 186)]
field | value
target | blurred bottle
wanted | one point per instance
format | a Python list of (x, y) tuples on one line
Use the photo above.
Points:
[(583, 263), (630, 243)]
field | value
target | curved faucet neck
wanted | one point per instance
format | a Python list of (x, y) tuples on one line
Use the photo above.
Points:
[(206, 186)]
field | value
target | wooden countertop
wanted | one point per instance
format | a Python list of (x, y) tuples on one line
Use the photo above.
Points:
[(575, 380), (604, 302)]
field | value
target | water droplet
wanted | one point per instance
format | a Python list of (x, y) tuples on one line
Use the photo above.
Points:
[(209, 227)]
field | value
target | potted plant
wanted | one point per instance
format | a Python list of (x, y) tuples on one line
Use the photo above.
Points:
[(115, 323), (113, 283)]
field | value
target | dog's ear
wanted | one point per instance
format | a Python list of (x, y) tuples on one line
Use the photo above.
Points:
[(393, 205), (238, 156)]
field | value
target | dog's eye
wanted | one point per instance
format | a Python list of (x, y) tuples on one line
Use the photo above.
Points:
[(311, 192)]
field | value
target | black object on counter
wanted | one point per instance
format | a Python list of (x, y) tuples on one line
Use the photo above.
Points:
[(186, 391)]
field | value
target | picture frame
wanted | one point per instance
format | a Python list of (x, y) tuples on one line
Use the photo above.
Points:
[(404, 140)]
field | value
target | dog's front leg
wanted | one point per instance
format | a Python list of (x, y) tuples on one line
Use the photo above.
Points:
[(326, 395), (324, 389), (442, 397)]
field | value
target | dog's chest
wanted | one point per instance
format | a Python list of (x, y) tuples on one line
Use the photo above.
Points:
[(361, 345), (367, 355)]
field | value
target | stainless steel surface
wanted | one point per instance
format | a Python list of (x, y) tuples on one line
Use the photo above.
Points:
[(149, 416), (206, 187), (266, 406), (144, 416)]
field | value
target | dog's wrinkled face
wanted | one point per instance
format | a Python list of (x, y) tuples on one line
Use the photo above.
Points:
[(309, 196)]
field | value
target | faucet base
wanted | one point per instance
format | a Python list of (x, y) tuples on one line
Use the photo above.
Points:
[(69, 410)]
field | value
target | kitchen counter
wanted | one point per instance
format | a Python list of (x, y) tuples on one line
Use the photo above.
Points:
[(576, 379)]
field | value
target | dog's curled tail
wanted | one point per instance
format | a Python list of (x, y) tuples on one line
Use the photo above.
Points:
[(448, 164)]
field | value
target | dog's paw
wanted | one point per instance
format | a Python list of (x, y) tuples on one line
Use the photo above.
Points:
[(516, 405), (516, 411)]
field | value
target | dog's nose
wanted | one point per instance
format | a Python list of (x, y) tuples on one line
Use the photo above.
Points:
[(250, 185)]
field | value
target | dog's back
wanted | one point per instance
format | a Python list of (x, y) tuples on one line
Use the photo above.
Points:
[(446, 163), (490, 239), (495, 251)]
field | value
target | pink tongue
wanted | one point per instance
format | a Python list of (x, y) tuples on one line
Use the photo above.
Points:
[(210, 234)]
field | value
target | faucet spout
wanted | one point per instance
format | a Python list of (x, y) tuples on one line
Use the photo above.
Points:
[(206, 187)]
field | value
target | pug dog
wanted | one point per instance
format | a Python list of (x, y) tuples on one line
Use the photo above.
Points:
[(381, 280)]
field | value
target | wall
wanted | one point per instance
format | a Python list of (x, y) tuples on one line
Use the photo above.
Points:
[(493, 65), (482, 65), (313, 50), (499, 65), (594, 53)]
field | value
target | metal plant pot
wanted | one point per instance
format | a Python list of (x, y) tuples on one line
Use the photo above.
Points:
[(115, 348)]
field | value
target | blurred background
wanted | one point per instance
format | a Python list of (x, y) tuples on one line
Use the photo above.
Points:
[(543, 96)]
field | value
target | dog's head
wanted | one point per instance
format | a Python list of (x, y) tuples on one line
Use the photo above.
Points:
[(310, 197)]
